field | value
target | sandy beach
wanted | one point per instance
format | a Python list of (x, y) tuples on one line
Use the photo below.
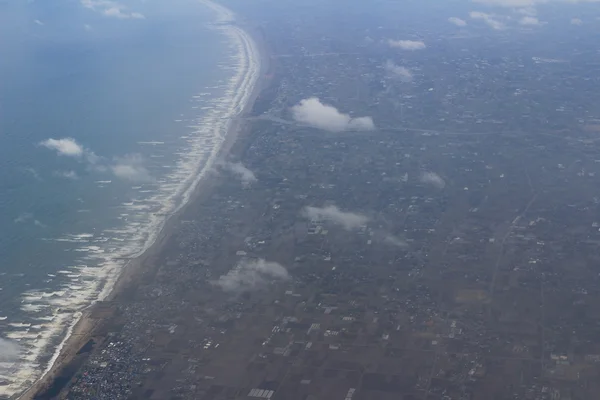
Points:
[(87, 323)]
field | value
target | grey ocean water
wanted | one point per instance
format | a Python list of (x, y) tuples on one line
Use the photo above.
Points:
[(111, 82)]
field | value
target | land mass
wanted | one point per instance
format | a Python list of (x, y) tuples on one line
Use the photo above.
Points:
[(406, 220)]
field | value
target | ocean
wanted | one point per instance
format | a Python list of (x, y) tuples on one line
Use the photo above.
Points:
[(110, 113)]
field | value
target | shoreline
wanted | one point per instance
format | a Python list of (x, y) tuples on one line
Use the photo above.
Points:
[(82, 328)]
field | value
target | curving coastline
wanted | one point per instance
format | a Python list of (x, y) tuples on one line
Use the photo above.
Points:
[(211, 139)]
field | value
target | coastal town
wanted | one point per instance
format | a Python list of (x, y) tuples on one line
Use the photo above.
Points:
[(409, 211)]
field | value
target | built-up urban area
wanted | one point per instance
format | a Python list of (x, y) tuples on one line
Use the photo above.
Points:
[(410, 211)]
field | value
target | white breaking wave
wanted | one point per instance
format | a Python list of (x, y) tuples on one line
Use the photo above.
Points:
[(59, 310)]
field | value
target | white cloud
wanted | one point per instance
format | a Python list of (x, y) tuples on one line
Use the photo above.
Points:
[(399, 72), (64, 147), (576, 21), (457, 21), (69, 147), (27, 217), (118, 12), (66, 174), (407, 44), (347, 220), (9, 351), (323, 116), (251, 274), (33, 173), (130, 168), (111, 8), (38, 22), (246, 176), (88, 27), (93, 159), (488, 19), (24, 217), (114, 12), (433, 179), (530, 21)]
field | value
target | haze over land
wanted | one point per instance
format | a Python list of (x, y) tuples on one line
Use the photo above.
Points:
[(365, 200)]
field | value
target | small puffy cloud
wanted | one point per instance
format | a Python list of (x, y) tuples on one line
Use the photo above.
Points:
[(114, 12), (66, 174), (118, 12), (347, 220), (457, 21), (9, 351), (488, 19), (576, 21), (38, 22), (530, 21), (111, 8), (324, 116), (33, 173), (246, 176), (433, 179), (69, 147), (398, 71), (130, 168), (251, 275), (407, 44), (28, 218), (64, 147), (24, 217), (94, 159)]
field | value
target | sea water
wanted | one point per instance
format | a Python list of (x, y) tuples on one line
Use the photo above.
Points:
[(143, 93)]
